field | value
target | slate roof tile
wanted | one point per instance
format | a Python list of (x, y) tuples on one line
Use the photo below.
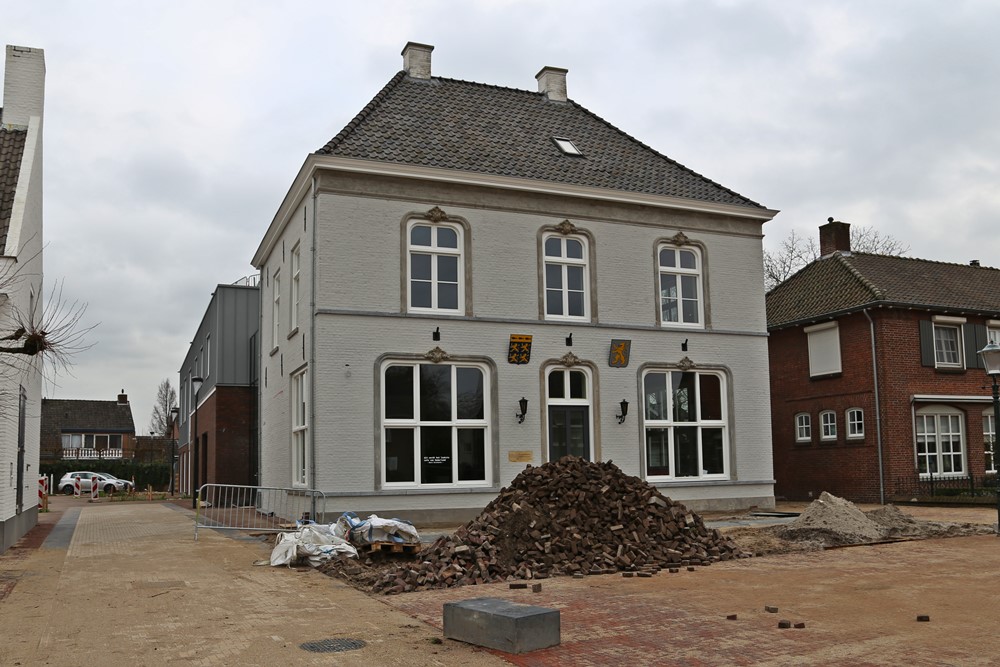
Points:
[(11, 150), (475, 127)]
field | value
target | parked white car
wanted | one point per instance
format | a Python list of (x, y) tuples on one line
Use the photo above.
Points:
[(105, 482)]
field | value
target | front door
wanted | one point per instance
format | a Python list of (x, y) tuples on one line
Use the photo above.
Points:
[(569, 431)]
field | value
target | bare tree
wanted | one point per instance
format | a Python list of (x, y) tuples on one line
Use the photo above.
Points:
[(795, 251), (161, 422)]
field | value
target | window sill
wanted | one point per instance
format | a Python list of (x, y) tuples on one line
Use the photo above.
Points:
[(803, 443), (273, 351), (950, 370), (826, 376), (291, 334)]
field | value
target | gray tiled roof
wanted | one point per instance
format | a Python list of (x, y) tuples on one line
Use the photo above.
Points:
[(11, 150), (474, 127), (81, 416), (845, 282)]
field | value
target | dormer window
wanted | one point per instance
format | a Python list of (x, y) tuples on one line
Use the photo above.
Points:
[(567, 146)]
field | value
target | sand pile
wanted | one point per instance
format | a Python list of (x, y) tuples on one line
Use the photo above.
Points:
[(835, 521)]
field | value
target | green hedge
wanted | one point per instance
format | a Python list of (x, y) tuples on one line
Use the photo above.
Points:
[(155, 474)]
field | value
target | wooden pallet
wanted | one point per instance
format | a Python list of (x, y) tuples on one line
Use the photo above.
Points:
[(389, 547)]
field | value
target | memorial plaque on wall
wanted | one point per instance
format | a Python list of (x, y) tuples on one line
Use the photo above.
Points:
[(519, 350), (520, 456), (620, 350)]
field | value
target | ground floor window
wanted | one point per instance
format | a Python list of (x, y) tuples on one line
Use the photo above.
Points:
[(435, 424), (685, 424), (300, 449), (940, 442), (989, 441)]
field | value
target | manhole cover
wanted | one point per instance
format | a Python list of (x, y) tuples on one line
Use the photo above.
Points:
[(333, 645)]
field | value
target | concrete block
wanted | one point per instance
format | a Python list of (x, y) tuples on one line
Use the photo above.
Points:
[(502, 625)]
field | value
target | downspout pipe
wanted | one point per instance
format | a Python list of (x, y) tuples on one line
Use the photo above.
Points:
[(312, 353), (878, 411)]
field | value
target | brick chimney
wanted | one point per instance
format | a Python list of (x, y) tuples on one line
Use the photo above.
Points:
[(123, 398), (834, 236), (417, 60), (23, 85), (552, 82)]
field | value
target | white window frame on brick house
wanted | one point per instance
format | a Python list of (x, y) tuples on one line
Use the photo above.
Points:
[(939, 436), (566, 277), (989, 440), (828, 425), (854, 418), (411, 416), (681, 301), (276, 309), (428, 267), (823, 341), (300, 429), (949, 342), (993, 331), (803, 427), (670, 412), (293, 309)]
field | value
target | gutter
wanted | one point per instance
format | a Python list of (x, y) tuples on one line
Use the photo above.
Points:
[(311, 483), (878, 411)]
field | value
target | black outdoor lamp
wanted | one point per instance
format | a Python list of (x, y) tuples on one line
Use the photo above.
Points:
[(624, 411), (523, 404), (196, 385), (991, 360)]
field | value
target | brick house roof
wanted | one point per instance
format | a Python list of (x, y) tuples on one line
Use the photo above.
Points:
[(846, 282), (79, 416), (11, 150), (474, 127)]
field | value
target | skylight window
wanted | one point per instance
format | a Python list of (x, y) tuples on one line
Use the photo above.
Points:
[(566, 146)]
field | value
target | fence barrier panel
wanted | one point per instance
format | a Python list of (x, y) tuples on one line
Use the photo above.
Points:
[(261, 509)]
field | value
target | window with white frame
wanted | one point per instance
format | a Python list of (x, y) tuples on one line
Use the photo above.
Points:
[(436, 268), (828, 425), (208, 356), (680, 286), (568, 411), (803, 427), (989, 441), (566, 277), (300, 429), (435, 424), (940, 441), (293, 310), (948, 345), (855, 419), (276, 310), (685, 422), (824, 348)]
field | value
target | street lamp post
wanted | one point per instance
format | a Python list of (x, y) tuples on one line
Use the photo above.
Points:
[(196, 385), (174, 412), (991, 360)]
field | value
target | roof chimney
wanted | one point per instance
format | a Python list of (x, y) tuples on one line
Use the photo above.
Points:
[(552, 82), (123, 398), (834, 236), (974, 262), (417, 60), (23, 85)]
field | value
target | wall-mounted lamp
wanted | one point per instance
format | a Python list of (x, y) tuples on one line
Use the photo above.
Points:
[(523, 404), (624, 411), (684, 345), (569, 340), (436, 334)]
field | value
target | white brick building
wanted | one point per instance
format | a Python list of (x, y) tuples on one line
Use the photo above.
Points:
[(448, 221)]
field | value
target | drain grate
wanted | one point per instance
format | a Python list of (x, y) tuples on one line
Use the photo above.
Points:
[(333, 645)]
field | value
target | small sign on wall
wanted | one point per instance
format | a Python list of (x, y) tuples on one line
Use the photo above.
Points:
[(520, 456), (519, 349), (620, 349)]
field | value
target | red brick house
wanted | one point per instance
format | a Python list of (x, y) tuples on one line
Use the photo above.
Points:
[(877, 390)]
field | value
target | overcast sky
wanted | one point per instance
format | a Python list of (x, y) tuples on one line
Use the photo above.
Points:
[(174, 128)]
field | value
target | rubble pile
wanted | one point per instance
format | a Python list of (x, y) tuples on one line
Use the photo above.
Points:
[(565, 517)]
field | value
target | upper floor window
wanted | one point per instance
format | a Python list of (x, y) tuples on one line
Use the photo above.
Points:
[(680, 286), (208, 356), (824, 348), (828, 425), (436, 268), (293, 311), (566, 277), (855, 423), (947, 350), (803, 427), (684, 415), (276, 310)]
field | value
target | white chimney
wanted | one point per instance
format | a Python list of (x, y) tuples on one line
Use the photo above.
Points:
[(417, 60), (552, 82), (23, 85)]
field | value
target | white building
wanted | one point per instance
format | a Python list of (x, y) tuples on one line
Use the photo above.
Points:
[(20, 286), (418, 250)]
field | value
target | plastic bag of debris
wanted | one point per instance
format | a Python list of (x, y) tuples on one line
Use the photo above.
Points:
[(375, 529), (316, 543)]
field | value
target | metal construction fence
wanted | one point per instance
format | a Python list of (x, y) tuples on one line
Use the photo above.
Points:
[(262, 509)]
